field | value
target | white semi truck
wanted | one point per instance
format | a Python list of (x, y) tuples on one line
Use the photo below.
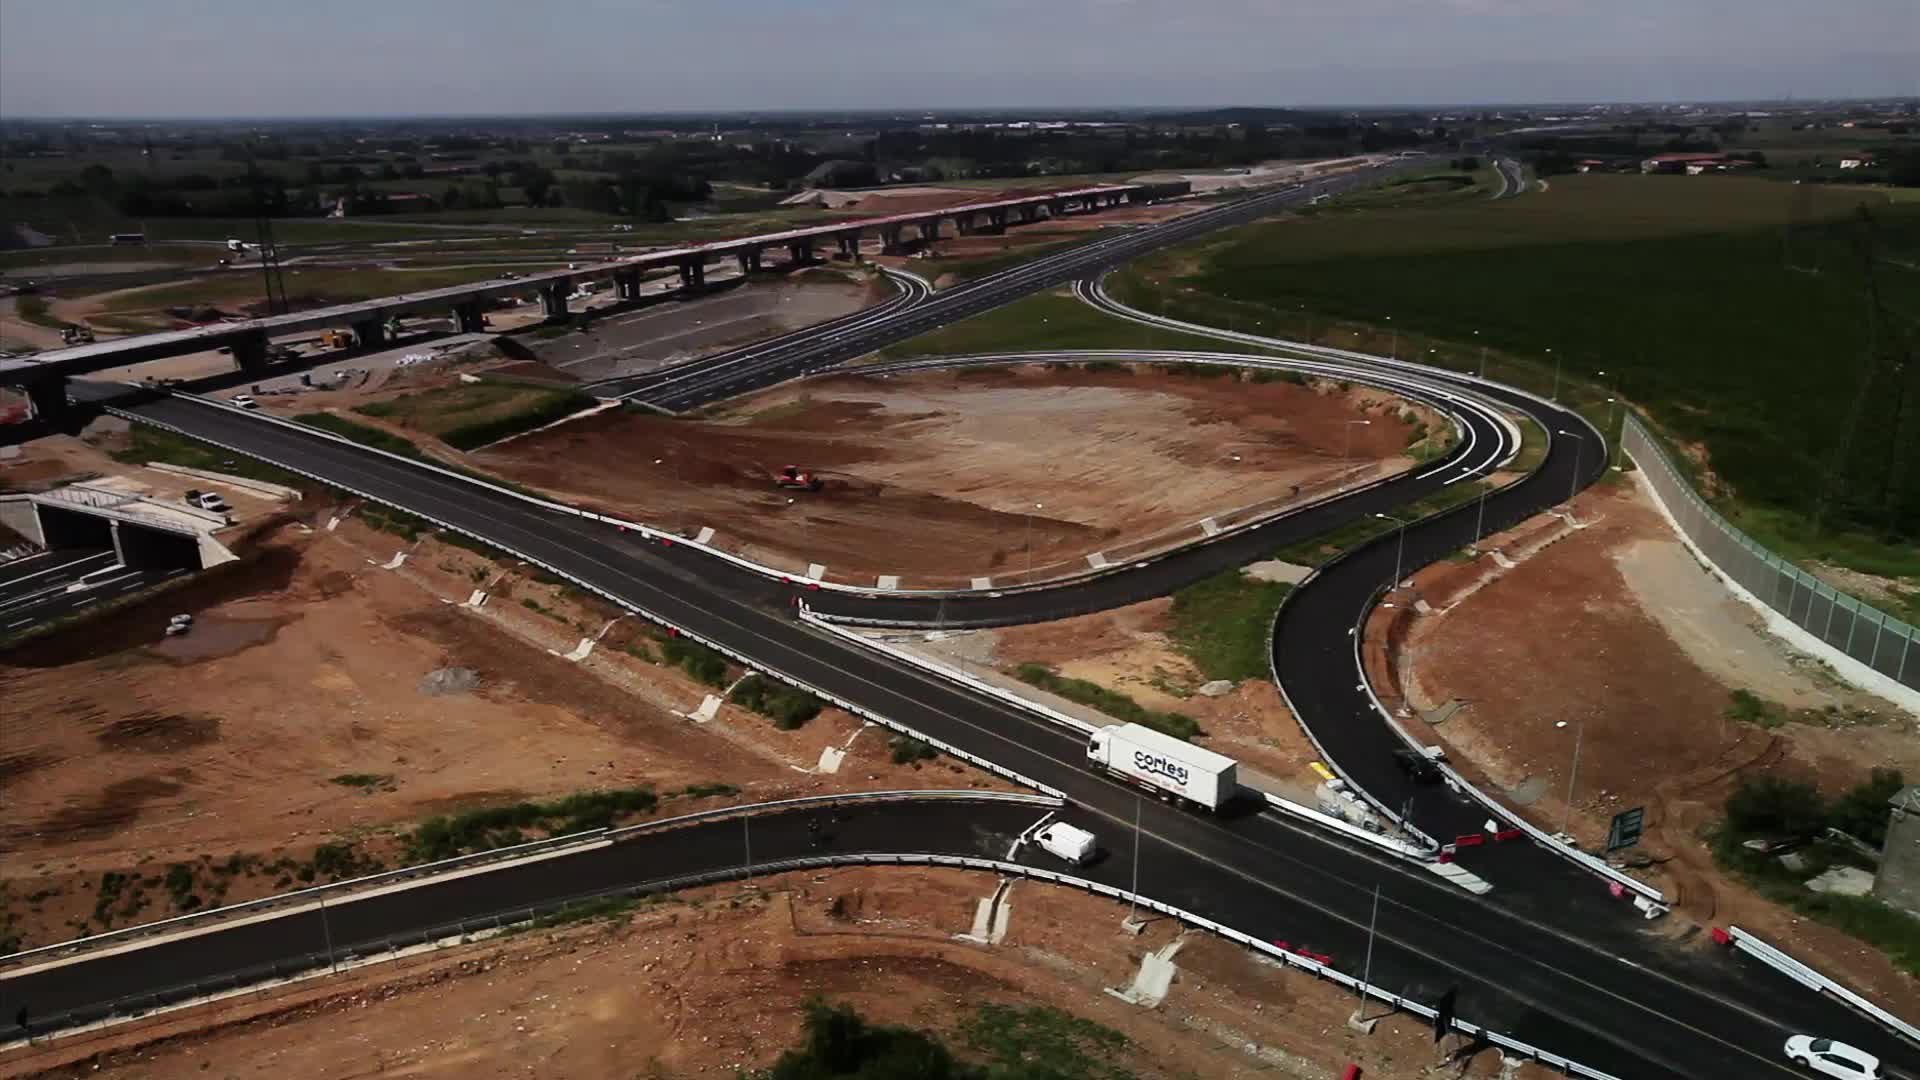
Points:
[(1165, 764)]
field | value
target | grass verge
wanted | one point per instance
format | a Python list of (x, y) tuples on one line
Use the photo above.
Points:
[(1112, 702), (1221, 624)]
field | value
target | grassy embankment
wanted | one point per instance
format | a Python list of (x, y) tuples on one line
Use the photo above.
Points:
[(1732, 333), (1053, 320), (472, 415)]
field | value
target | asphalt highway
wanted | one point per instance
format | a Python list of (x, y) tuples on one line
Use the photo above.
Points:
[(61, 993), (1561, 966), (696, 383), (55, 584)]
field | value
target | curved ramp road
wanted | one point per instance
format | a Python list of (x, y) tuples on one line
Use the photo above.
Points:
[(192, 964), (1560, 969), (701, 382)]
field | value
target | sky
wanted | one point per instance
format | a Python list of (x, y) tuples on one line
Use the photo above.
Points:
[(183, 58)]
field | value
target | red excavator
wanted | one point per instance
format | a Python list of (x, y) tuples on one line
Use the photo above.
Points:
[(798, 479)]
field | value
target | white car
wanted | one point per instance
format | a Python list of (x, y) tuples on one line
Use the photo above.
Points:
[(1829, 1057), (245, 401)]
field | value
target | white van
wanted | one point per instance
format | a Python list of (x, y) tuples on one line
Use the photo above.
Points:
[(1073, 845)]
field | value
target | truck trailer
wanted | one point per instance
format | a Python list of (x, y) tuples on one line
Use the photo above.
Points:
[(1164, 764)]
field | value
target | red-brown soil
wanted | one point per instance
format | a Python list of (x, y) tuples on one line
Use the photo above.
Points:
[(931, 476)]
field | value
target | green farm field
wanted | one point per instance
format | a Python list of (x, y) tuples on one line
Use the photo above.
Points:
[(1744, 339)]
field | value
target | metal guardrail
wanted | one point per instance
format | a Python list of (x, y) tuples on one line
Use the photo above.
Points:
[(1075, 724), (460, 930), (1813, 980), (1460, 783), (1886, 645), (1453, 777), (314, 893), (502, 856)]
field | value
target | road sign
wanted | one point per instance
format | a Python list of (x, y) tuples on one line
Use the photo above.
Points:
[(1626, 828)]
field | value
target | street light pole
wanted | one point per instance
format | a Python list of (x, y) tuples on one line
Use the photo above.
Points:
[(1483, 354), (1393, 350), (1400, 548), (1480, 517), (1133, 899), (1573, 775), (1556, 375), (1373, 922), (1036, 506), (1578, 444)]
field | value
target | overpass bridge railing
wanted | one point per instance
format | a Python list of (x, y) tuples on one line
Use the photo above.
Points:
[(1858, 631)]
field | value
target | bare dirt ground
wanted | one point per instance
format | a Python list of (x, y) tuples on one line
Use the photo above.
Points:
[(126, 751), (18, 333), (1645, 650), (709, 982), (931, 476)]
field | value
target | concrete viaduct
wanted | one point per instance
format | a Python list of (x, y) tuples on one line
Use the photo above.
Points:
[(44, 376)]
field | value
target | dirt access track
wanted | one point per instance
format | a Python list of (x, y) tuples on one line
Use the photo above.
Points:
[(938, 477), (1644, 651), (709, 982)]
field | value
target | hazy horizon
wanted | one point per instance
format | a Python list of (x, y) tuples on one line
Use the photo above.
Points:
[(295, 60)]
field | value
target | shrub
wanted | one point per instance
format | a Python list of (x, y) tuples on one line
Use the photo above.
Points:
[(1862, 812), (1770, 806), (907, 750), (787, 707), (1111, 702), (696, 659)]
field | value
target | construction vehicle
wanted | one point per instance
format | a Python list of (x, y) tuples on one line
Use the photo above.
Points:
[(76, 335), (798, 479), (337, 339)]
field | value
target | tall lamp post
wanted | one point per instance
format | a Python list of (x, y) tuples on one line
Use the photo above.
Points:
[(1483, 354), (1036, 506), (1573, 774), (1578, 444), (1400, 548), (1556, 374), (1393, 350)]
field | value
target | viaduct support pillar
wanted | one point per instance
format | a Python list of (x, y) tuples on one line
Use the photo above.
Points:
[(800, 252), (849, 246), (626, 284), (250, 353), (47, 398), (467, 318), (553, 300), (750, 261), (370, 333), (890, 240), (930, 230), (693, 275)]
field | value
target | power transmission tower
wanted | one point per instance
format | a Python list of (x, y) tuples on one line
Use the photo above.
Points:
[(269, 251), (1871, 466)]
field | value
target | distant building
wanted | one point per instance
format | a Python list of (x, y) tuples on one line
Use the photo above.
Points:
[(1898, 882), (1674, 163)]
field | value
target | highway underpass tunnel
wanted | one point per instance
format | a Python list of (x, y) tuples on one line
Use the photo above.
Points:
[(62, 528), (155, 549), (47, 398)]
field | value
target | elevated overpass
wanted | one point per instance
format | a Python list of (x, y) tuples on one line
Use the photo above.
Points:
[(44, 376)]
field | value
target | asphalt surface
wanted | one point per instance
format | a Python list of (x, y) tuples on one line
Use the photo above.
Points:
[(1548, 958), (240, 954), (723, 375), (42, 588)]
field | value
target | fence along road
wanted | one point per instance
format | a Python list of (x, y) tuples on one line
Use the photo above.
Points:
[(1883, 644), (1549, 983)]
